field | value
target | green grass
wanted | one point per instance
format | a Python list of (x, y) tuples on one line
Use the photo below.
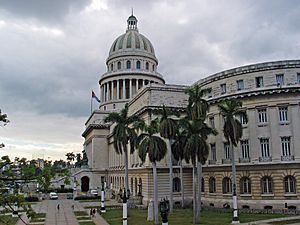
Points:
[(286, 222), (40, 215), (81, 213), (83, 218), (182, 217), (86, 223), (8, 220), (37, 220)]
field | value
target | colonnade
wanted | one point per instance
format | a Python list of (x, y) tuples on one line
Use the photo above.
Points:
[(122, 88)]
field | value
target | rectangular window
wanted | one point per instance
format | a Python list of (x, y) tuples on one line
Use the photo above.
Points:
[(223, 88), (259, 82), (264, 147), (243, 119), (245, 149), (212, 121), (262, 116), (283, 114), (298, 78), (227, 151), (280, 79), (240, 85), (209, 93), (213, 152), (286, 146)]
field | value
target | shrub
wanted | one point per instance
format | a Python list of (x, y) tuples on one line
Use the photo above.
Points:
[(32, 199), (87, 197)]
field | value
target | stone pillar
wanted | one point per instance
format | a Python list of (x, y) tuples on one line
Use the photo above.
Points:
[(130, 88), (124, 89), (118, 89), (109, 90), (144, 82), (105, 92), (136, 85), (112, 90)]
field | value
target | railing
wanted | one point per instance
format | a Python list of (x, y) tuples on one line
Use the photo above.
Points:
[(287, 158), (265, 159), (226, 161), (244, 160)]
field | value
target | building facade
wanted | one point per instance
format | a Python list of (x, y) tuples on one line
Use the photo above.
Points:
[(268, 155)]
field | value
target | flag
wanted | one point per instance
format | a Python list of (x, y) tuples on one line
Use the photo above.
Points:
[(95, 97)]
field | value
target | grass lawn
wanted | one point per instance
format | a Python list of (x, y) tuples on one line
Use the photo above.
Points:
[(286, 222), (83, 218), (8, 220), (81, 213), (86, 223), (182, 217)]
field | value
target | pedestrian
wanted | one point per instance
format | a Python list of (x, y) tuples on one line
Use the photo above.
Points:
[(94, 212), (91, 212), (58, 207), (73, 207)]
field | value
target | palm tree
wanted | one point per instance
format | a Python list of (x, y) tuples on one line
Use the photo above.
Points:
[(167, 129), (178, 153), (197, 151), (149, 143), (70, 157), (233, 131), (123, 134)]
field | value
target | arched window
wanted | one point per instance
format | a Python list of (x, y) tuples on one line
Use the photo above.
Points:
[(147, 66), (266, 185), (128, 64), (245, 185), (153, 67), (212, 185), (111, 67), (202, 185), (119, 65), (290, 184), (227, 185), (138, 65), (176, 184)]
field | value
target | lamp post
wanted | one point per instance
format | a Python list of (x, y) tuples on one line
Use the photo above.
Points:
[(125, 197), (15, 210), (102, 210), (164, 208)]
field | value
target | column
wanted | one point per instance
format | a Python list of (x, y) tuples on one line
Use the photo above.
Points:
[(136, 85), (124, 89), (118, 89), (105, 91), (130, 88), (112, 90), (144, 82), (108, 91)]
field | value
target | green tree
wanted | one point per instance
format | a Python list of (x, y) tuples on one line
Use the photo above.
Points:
[(3, 122), (123, 134), (233, 131), (167, 129), (149, 143), (70, 157)]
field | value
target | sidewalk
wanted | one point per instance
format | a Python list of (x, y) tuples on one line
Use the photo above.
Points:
[(265, 222)]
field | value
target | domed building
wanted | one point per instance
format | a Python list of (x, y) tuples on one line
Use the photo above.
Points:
[(267, 158)]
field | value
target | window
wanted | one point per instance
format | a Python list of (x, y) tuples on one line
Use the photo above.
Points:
[(128, 64), (240, 85), (298, 78), (245, 149), (138, 65), (264, 147), (213, 152), (245, 185), (119, 65), (176, 184), (212, 185), (223, 88), (153, 67), (259, 82), (280, 79), (289, 184), (286, 146), (212, 121), (202, 185), (267, 185), (111, 67), (243, 118), (227, 150), (262, 116), (227, 185), (209, 93), (283, 114), (147, 66)]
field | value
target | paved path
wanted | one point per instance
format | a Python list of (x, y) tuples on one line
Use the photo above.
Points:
[(266, 222)]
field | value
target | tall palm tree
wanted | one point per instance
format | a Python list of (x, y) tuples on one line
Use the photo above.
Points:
[(178, 153), (123, 134), (233, 131), (149, 143), (167, 129), (197, 151)]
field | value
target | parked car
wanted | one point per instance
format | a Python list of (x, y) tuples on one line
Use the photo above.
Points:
[(53, 195), (93, 192)]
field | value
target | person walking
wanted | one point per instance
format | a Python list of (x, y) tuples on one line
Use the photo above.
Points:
[(58, 207), (91, 212), (94, 212)]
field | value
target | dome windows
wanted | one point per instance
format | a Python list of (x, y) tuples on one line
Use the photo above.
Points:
[(128, 65), (119, 65), (138, 65), (147, 66), (111, 67)]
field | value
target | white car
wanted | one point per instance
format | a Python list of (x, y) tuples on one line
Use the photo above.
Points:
[(53, 195)]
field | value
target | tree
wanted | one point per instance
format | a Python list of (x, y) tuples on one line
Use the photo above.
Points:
[(123, 134), (149, 143), (233, 131), (3, 122), (178, 153), (70, 157), (167, 129)]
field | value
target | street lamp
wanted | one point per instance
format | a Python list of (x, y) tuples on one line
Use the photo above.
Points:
[(164, 208), (102, 209), (125, 197)]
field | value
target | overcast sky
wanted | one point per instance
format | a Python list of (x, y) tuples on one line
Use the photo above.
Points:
[(53, 52)]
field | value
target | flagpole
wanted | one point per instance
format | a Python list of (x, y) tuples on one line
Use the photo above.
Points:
[(91, 105)]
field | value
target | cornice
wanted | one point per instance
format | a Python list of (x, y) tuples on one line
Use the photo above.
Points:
[(94, 126)]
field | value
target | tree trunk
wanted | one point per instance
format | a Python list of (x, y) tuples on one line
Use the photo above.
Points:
[(181, 184), (126, 169), (155, 193), (170, 175), (194, 193), (199, 180), (235, 218)]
